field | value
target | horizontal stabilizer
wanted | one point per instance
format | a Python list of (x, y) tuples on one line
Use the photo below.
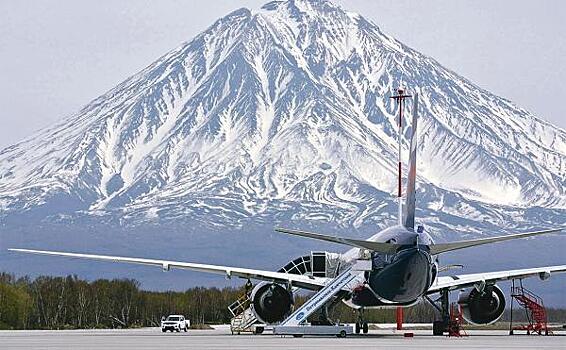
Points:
[(373, 246), (446, 247)]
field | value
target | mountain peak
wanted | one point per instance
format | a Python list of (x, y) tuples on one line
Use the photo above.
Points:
[(301, 5), (309, 12)]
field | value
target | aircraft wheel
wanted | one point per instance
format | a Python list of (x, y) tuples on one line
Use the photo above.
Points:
[(438, 328), (163, 330), (357, 328), (297, 335), (365, 327), (342, 334)]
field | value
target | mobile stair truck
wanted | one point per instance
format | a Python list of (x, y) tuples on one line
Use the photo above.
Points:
[(296, 325)]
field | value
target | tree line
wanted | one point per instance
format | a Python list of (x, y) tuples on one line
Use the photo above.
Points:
[(70, 302)]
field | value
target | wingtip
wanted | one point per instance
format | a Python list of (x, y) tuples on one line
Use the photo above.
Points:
[(18, 250), (21, 250)]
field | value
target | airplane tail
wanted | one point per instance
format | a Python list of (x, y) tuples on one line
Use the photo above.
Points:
[(409, 213)]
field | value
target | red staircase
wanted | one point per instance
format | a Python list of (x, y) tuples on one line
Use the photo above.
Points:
[(534, 308), (456, 320)]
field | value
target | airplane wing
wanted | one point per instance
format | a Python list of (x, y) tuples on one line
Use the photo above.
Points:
[(373, 246), (467, 280), (446, 247), (302, 281)]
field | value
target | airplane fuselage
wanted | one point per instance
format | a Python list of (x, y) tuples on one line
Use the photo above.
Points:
[(399, 278)]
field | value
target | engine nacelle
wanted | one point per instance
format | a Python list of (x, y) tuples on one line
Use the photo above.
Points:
[(484, 307), (271, 303)]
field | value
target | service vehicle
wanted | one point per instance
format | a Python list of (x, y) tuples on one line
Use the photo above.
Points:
[(175, 323)]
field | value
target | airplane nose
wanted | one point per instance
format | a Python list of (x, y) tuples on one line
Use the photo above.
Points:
[(405, 279)]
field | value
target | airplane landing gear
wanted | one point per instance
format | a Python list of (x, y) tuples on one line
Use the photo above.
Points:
[(361, 325), (442, 304)]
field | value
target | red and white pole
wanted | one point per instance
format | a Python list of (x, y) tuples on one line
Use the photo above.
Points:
[(399, 318), (400, 99)]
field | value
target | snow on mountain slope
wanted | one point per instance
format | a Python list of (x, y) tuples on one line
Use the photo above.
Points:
[(284, 114)]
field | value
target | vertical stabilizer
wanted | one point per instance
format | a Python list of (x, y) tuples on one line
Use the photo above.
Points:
[(409, 214)]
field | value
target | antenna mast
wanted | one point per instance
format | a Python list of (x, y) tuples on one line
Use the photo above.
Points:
[(400, 97)]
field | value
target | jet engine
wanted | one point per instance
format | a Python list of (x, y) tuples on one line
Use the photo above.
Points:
[(271, 302), (482, 307)]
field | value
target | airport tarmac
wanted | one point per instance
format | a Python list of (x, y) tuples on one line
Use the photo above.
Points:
[(220, 338)]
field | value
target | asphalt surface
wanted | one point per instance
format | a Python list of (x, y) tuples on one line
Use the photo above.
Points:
[(220, 338)]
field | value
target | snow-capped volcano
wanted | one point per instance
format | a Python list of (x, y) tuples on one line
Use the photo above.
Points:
[(284, 114)]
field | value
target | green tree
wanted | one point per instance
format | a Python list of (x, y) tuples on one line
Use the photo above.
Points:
[(15, 306)]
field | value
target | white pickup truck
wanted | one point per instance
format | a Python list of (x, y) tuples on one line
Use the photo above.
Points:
[(175, 323)]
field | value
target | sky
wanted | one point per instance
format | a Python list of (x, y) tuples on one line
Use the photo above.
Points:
[(57, 55)]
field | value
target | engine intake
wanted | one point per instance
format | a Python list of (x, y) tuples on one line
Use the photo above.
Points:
[(271, 302), (484, 307)]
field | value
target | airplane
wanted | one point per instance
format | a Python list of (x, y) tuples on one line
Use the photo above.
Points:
[(404, 270)]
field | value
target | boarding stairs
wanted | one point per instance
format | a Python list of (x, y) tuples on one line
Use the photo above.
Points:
[(243, 317), (318, 300), (534, 309)]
